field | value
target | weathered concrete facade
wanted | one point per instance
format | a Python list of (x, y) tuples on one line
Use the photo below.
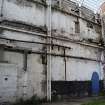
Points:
[(76, 48)]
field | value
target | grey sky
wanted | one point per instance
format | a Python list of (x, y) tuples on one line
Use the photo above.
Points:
[(92, 4)]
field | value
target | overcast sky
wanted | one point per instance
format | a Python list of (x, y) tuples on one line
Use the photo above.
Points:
[(92, 4)]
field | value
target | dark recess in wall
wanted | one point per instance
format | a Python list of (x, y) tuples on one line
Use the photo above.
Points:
[(73, 88)]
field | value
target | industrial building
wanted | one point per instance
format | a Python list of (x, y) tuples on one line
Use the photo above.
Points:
[(48, 50)]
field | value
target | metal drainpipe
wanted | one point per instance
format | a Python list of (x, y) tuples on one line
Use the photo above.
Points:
[(49, 50)]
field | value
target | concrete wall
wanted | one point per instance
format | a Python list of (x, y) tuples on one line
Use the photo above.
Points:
[(72, 53), (13, 71), (21, 84), (80, 70), (19, 10), (8, 81)]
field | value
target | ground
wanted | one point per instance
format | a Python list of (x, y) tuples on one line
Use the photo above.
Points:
[(83, 101), (76, 101), (96, 102), (64, 103)]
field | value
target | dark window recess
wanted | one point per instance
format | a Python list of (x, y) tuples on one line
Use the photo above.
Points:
[(44, 59), (77, 27), (73, 88), (2, 50), (1, 54), (90, 25)]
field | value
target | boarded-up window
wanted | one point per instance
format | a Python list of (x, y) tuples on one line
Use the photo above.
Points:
[(77, 27)]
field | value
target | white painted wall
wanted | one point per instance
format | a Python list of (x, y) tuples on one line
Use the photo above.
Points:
[(33, 81), (63, 24), (23, 37), (24, 12), (36, 76), (8, 82), (27, 83), (82, 70), (17, 59), (58, 69), (77, 50), (76, 70), (88, 33)]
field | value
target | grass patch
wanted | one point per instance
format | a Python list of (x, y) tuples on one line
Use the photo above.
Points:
[(96, 102)]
